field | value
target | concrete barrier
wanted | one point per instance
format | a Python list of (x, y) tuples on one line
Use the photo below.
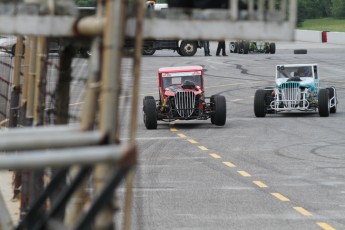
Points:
[(308, 35), (336, 38), (316, 36)]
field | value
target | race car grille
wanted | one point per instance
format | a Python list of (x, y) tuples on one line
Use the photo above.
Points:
[(291, 94), (185, 102)]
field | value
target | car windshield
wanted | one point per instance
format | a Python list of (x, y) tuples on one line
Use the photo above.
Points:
[(180, 80), (297, 71)]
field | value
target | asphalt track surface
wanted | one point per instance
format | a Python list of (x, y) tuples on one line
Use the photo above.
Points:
[(284, 171)]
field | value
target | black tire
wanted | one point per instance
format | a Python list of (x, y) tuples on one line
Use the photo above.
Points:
[(259, 103), (300, 51), (236, 47), (240, 47), (332, 92), (323, 103), (245, 47), (150, 113), (179, 52), (147, 98), (273, 48), (219, 110), (232, 47), (148, 51), (188, 48)]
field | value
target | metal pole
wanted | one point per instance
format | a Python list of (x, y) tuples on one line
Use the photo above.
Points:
[(134, 118), (110, 77), (5, 218), (89, 110), (41, 81), (25, 82), (293, 12), (14, 111), (31, 80), (16, 88), (233, 9), (63, 85)]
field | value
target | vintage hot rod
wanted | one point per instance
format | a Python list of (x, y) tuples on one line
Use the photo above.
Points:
[(182, 97)]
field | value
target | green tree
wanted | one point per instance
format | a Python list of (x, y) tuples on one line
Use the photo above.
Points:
[(338, 8), (85, 3)]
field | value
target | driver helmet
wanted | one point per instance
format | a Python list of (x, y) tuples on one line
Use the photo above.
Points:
[(304, 71)]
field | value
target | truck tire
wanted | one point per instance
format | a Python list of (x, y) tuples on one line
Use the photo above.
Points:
[(323, 103), (188, 48), (150, 113), (219, 118), (259, 103), (148, 51)]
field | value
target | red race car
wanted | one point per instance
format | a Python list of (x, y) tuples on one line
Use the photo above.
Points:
[(182, 97)]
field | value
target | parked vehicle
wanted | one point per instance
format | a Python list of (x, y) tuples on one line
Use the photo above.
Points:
[(182, 97), (297, 89), (182, 47), (8, 45), (245, 47)]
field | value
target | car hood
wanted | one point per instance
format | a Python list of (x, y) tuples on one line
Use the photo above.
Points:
[(305, 82)]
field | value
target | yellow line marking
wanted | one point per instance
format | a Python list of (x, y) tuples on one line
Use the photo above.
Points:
[(280, 196), (214, 155), (302, 211), (203, 148), (229, 164), (237, 100), (325, 226), (192, 141), (260, 184), (173, 130), (181, 135), (244, 173)]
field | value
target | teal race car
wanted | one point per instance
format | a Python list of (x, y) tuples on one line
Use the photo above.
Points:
[(297, 90)]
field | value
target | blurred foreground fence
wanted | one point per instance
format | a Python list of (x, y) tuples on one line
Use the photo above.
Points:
[(44, 90)]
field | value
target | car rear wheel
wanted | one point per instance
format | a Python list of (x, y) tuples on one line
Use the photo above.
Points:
[(332, 93), (219, 117), (232, 47), (245, 47), (323, 103), (188, 48), (259, 103), (150, 112), (273, 48)]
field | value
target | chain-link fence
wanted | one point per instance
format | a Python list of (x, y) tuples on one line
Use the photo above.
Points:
[(6, 71)]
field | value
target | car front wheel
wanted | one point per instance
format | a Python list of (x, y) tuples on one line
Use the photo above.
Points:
[(323, 103), (150, 112), (259, 103), (219, 117)]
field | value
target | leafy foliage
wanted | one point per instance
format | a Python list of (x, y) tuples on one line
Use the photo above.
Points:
[(338, 8), (85, 3)]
